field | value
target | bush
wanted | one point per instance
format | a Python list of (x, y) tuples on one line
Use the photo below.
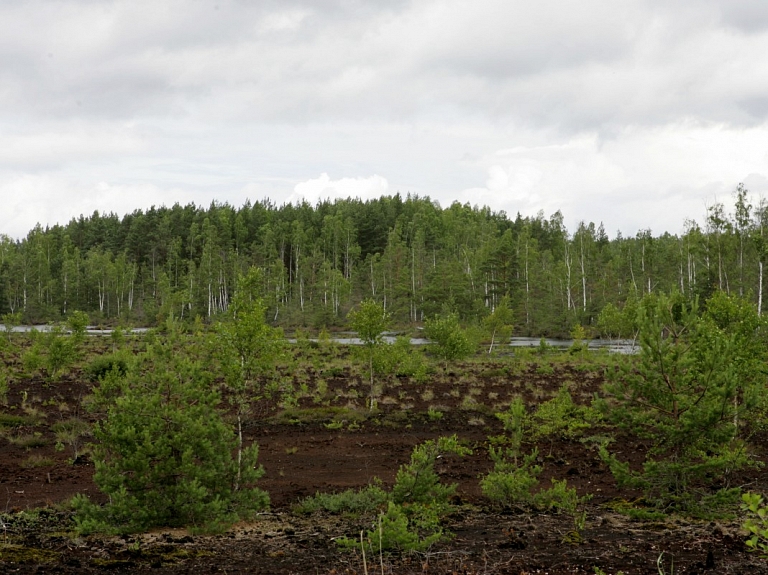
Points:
[(102, 365), (756, 523), (367, 499), (510, 483), (683, 394), (412, 520), (417, 482), (164, 453), (396, 531), (451, 343), (561, 417)]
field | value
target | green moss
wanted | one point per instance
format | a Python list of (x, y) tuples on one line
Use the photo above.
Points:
[(26, 555)]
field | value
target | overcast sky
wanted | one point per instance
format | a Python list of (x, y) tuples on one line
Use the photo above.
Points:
[(636, 113)]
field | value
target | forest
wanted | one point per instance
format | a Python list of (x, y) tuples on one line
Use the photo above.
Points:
[(416, 258)]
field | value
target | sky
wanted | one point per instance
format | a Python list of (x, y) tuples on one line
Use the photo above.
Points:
[(638, 114)]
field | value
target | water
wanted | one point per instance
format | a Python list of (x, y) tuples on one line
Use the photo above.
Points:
[(624, 346)]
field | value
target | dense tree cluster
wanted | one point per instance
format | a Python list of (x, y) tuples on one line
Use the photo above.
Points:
[(409, 254)]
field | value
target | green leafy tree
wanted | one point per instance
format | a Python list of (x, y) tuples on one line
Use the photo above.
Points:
[(500, 322), (248, 349), (77, 323), (417, 482), (680, 395), (164, 453), (451, 342), (59, 351), (10, 321), (369, 321)]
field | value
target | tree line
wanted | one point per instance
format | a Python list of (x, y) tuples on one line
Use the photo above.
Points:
[(414, 257)]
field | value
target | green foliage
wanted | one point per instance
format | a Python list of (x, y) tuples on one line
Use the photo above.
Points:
[(369, 321), (248, 348), (434, 414), (365, 500), (399, 531), (77, 323), (117, 337), (614, 323), (164, 453), (500, 322), (516, 425), (756, 523), (512, 479), (10, 321), (579, 337), (561, 417), (451, 343), (417, 481), (101, 365), (400, 358), (59, 351), (682, 394)]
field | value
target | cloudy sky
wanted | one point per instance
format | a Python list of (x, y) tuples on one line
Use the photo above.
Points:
[(637, 113)]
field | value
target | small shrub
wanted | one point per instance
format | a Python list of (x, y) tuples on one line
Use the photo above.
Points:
[(756, 523), (417, 481), (30, 441), (71, 432), (545, 369), (561, 417), (365, 500), (451, 343), (35, 460), (434, 414), (398, 531), (104, 364), (510, 483)]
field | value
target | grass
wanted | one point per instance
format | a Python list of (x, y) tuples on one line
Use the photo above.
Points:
[(10, 420), (353, 501), (296, 415), (35, 460), (28, 441)]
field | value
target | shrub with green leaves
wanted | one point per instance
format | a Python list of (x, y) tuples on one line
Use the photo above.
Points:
[(365, 500), (683, 394), (400, 358), (411, 521), (512, 479), (418, 482), (164, 452), (399, 531), (756, 523), (101, 365), (560, 417), (451, 343)]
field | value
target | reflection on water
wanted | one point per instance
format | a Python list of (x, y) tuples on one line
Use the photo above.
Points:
[(626, 346)]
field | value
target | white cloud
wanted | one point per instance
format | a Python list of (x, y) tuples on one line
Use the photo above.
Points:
[(322, 188), (642, 178), (51, 199)]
